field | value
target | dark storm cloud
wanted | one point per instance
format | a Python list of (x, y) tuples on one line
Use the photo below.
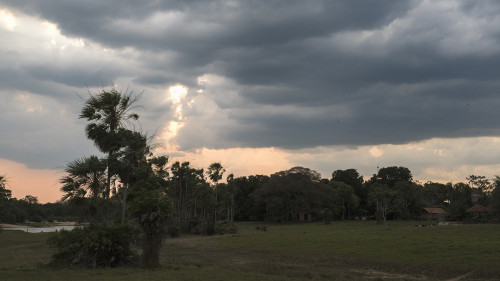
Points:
[(303, 73), (237, 23)]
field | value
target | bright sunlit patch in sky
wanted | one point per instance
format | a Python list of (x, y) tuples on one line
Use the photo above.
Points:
[(7, 19), (176, 96), (376, 152), (177, 93)]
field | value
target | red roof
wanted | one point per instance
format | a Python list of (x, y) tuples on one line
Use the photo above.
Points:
[(479, 209), (435, 211)]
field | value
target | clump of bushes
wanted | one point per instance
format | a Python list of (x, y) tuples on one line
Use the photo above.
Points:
[(261, 228), (197, 226), (95, 245), (174, 231), (36, 218), (226, 227)]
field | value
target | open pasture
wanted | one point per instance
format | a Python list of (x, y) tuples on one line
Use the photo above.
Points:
[(312, 251)]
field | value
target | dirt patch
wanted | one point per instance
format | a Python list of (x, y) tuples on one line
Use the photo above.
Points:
[(376, 274), (461, 277), (6, 225)]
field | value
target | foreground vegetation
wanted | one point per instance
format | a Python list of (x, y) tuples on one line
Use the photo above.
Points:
[(337, 251)]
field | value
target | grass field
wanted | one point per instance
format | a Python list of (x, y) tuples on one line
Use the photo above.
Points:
[(313, 251)]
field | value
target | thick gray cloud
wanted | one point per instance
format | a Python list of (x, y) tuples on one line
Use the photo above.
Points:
[(294, 74)]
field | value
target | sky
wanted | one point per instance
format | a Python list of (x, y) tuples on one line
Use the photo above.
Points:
[(260, 86)]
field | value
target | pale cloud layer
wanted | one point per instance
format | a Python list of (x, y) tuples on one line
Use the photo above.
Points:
[(322, 84)]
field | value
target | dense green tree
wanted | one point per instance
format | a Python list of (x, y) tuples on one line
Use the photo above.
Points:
[(392, 175), (133, 152), (384, 199), (30, 199), (228, 197), (436, 195), (245, 205), (409, 199), (495, 195), (215, 172), (151, 207), (480, 182), (481, 189), (347, 200), (288, 192), (191, 192), (460, 200), (352, 178)]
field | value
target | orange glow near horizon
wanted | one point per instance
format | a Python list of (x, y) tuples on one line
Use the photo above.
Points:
[(22, 181), (44, 184), (240, 161)]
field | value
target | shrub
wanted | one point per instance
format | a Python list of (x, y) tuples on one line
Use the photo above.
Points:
[(199, 229), (36, 218), (194, 222), (197, 226), (261, 228), (174, 231), (225, 227), (94, 245)]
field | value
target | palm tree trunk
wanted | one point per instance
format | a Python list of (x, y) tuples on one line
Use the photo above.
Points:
[(124, 203), (108, 190)]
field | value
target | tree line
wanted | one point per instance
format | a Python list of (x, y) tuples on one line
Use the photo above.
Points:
[(128, 185)]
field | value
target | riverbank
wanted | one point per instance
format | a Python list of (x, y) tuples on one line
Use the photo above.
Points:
[(42, 224)]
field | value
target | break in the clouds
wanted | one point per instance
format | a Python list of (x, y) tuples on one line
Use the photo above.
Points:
[(293, 75)]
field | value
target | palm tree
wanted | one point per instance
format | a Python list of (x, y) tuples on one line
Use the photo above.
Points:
[(86, 178), (215, 172), (107, 112), (5, 195), (4, 192)]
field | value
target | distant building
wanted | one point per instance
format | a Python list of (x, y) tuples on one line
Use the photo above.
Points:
[(434, 214), (305, 215), (479, 211)]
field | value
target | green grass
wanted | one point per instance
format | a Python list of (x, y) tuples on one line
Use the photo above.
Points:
[(313, 251)]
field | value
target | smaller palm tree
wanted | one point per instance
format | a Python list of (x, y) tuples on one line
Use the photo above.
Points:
[(86, 178)]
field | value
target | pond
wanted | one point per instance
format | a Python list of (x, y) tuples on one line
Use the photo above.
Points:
[(31, 229)]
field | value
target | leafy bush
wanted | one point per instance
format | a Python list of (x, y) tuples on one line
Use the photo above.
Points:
[(199, 229), (225, 227), (174, 231), (194, 222), (261, 228), (197, 226), (94, 245), (36, 218)]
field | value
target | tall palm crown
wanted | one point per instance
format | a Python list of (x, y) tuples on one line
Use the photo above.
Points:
[(108, 112)]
